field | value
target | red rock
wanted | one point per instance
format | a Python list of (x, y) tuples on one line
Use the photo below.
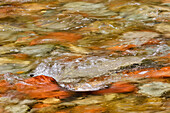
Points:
[(41, 87), (118, 87), (40, 83), (56, 37)]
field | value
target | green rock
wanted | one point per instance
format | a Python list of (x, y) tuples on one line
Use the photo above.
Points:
[(8, 65), (37, 50), (155, 89), (89, 8)]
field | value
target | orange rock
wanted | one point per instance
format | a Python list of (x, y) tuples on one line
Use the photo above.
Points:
[(151, 73), (63, 111), (4, 86), (50, 94), (33, 7), (166, 56), (29, 36), (41, 87), (163, 72), (119, 87), (166, 1), (95, 48), (20, 56), (56, 37), (2, 110), (121, 48), (6, 11), (20, 72), (23, 40), (38, 82)]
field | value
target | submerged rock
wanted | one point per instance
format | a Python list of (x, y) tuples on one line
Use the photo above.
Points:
[(8, 65), (154, 89), (5, 37), (90, 100), (51, 101), (163, 28), (137, 11), (78, 71), (17, 108), (138, 37), (105, 27), (8, 49), (135, 104), (41, 87), (94, 66), (63, 22), (37, 50), (56, 38), (89, 8), (15, 105)]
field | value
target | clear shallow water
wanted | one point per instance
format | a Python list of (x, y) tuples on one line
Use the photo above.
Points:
[(102, 54)]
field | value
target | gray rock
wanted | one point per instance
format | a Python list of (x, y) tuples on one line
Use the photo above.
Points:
[(83, 69), (158, 50)]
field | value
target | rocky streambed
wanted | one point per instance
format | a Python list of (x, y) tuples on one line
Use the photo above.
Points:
[(83, 56)]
